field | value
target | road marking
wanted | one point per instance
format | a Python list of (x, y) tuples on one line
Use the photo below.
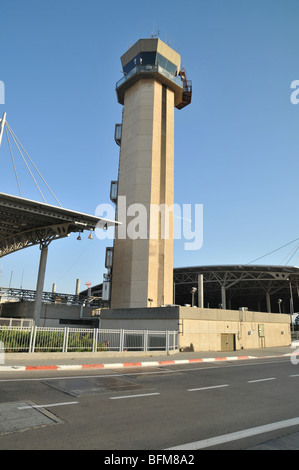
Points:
[(134, 396), (207, 388), (295, 375), (158, 372), (261, 380), (48, 405), (234, 436)]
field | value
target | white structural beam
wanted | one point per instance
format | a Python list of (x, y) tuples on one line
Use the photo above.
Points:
[(2, 125)]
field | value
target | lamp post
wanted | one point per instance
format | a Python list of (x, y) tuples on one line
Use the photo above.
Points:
[(193, 291)]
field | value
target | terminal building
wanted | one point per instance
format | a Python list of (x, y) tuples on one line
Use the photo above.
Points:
[(260, 288)]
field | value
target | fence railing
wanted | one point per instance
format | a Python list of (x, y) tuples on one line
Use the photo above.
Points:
[(41, 339), (21, 322)]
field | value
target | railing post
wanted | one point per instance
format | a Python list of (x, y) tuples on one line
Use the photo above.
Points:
[(145, 340), (95, 340), (121, 340), (167, 340), (65, 339), (32, 339)]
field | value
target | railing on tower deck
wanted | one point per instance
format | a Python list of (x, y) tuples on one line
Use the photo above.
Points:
[(187, 94)]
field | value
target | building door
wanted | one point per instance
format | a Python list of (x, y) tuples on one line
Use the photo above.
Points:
[(228, 342)]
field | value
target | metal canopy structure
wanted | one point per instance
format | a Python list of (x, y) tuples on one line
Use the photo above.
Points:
[(256, 287), (25, 223)]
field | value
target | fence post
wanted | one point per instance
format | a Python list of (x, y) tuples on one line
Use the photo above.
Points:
[(30, 341), (32, 338), (167, 340), (95, 340), (145, 339), (121, 340), (65, 339)]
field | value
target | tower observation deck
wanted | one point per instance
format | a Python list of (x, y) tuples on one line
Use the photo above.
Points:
[(153, 59), (153, 85)]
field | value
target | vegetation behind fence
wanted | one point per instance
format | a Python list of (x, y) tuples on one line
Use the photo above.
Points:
[(40, 339)]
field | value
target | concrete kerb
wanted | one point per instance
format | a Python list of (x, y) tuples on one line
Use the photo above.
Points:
[(83, 361)]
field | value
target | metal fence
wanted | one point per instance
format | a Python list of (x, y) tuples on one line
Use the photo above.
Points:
[(41, 339), (16, 321)]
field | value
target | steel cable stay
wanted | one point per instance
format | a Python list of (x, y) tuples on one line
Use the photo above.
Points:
[(37, 170), (8, 130), (24, 160), (13, 162), (274, 251), (291, 254)]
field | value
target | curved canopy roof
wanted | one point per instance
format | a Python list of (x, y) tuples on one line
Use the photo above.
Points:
[(244, 285)]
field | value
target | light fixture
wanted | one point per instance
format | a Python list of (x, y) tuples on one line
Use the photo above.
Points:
[(90, 236), (79, 237)]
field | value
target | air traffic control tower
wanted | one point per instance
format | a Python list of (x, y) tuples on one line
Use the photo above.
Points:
[(152, 86)]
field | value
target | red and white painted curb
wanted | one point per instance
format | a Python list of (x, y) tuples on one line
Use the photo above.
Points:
[(127, 364)]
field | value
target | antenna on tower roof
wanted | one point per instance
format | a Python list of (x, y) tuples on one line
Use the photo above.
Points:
[(154, 35)]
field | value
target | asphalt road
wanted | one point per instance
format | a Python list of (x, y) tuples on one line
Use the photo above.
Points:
[(250, 404)]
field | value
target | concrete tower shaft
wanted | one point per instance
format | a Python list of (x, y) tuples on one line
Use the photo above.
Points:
[(142, 273)]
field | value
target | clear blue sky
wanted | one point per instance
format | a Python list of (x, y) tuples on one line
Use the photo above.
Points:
[(236, 145)]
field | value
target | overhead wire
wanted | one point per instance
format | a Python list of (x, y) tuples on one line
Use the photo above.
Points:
[(270, 253), (292, 253)]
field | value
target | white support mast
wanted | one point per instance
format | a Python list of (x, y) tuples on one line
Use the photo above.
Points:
[(2, 125)]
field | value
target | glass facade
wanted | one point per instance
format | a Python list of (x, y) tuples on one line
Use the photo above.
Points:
[(150, 58), (166, 64)]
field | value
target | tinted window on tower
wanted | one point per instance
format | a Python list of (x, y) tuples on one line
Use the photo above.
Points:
[(143, 58), (150, 58), (166, 64)]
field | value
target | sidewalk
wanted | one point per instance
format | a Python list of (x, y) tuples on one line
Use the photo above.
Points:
[(84, 360)]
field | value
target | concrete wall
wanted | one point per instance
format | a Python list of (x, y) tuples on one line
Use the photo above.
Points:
[(52, 315), (200, 329), (206, 329), (158, 319)]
